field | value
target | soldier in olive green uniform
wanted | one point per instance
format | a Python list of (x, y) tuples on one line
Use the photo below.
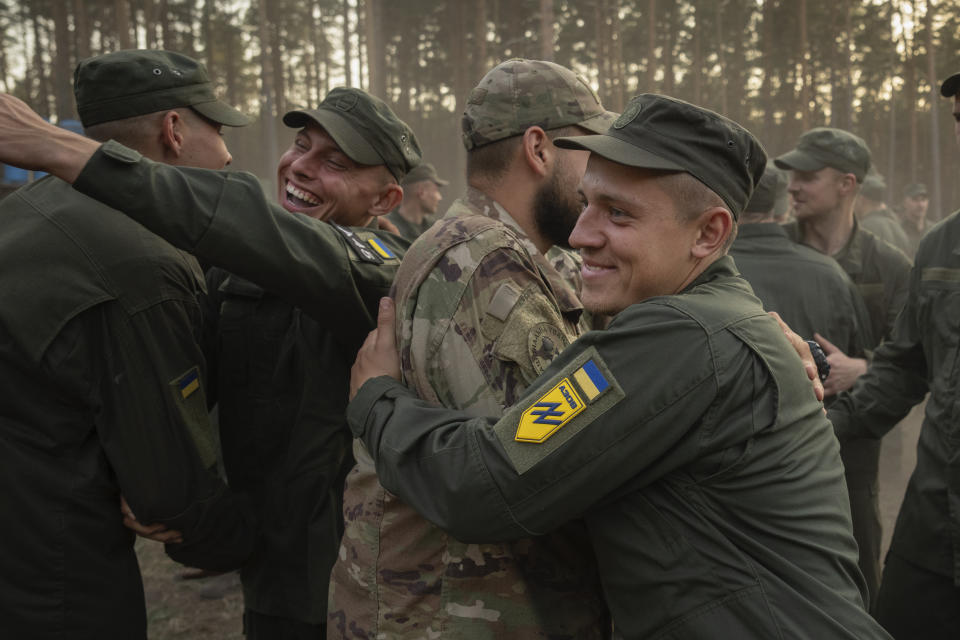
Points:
[(913, 215), (483, 311), (921, 579), (685, 434), (103, 375), (421, 200), (828, 166), (280, 376), (874, 215), (808, 289)]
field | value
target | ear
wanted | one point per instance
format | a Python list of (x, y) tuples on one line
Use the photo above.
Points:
[(389, 198), (848, 183), (714, 226), (538, 151), (171, 134)]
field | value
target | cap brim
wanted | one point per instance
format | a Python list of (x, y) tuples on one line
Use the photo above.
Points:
[(618, 151), (950, 86), (797, 160), (342, 132), (222, 113), (600, 122), (441, 183)]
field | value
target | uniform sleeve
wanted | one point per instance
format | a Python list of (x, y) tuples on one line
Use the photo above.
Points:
[(899, 283), (894, 382), (504, 331), (224, 219), (616, 411), (152, 422)]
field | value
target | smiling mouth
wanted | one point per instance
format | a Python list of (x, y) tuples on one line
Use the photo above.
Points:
[(301, 198)]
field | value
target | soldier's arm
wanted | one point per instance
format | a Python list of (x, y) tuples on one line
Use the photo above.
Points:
[(894, 382), (593, 423), (221, 217), (153, 425)]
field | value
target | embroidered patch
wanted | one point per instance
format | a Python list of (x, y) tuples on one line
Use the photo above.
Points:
[(567, 403), (544, 343), (549, 413), (382, 249), (361, 248)]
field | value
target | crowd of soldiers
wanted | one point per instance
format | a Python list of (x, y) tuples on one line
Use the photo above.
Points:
[(573, 417)]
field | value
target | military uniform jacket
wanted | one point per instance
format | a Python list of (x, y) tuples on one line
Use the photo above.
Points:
[(280, 380), (103, 394), (884, 224), (335, 276), (879, 270), (808, 289), (914, 235), (480, 314), (688, 439), (922, 356)]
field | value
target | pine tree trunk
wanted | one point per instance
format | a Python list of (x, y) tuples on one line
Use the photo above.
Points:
[(63, 94)]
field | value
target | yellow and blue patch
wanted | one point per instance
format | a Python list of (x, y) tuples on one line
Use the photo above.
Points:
[(591, 380), (381, 248), (188, 383), (561, 404)]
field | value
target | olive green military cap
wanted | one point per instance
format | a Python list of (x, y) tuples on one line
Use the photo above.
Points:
[(874, 186), (423, 171), (828, 147), (659, 132), (518, 94), (772, 186), (364, 128), (950, 86), (130, 83), (915, 189)]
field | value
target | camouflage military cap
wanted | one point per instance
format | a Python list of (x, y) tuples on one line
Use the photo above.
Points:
[(772, 186), (659, 132), (423, 171), (950, 86), (364, 128), (828, 147), (518, 94), (130, 83), (874, 187), (914, 190)]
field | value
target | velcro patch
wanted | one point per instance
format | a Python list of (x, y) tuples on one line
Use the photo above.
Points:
[(360, 248), (191, 402), (942, 274), (570, 401)]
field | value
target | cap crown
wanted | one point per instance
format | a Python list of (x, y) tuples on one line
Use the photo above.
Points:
[(712, 148), (382, 132), (519, 94), (129, 83)]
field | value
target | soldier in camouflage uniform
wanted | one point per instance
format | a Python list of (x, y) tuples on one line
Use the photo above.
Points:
[(482, 311)]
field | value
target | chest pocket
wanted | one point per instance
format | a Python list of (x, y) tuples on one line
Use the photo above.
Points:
[(526, 328)]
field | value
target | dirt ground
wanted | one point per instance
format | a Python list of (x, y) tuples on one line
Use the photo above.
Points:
[(211, 609)]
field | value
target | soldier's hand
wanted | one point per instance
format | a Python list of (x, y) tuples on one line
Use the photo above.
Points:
[(803, 350), (844, 370), (378, 356), (157, 532), (32, 143)]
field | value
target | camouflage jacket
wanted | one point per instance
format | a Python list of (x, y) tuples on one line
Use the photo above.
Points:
[(481, 313)]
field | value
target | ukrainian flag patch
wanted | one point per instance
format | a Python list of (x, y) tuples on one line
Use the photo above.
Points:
[(189, 383), (591, 380), (381, 248)]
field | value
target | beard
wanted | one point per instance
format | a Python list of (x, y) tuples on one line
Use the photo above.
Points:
[(556, 209)]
